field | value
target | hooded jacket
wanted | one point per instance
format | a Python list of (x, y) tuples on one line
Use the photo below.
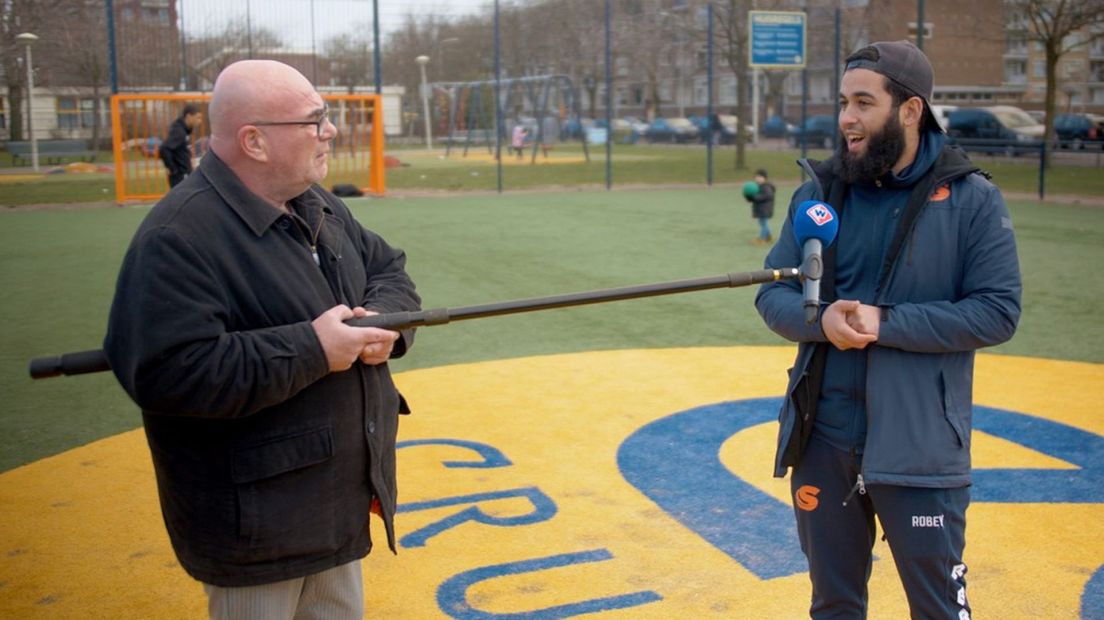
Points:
[(947, 284), (266, 462)]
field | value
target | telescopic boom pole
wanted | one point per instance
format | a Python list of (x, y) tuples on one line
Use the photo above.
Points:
[(83, 362)]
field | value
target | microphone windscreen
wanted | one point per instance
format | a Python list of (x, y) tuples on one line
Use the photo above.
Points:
[(814, 219)]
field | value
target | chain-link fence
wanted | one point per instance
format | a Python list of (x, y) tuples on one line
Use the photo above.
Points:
[(613, 75)]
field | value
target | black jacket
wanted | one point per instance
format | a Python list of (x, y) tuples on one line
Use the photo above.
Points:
[(175, 151), (266, 462), (762, 204)]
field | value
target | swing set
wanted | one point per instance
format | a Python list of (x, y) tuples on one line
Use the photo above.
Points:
[(472, 115)]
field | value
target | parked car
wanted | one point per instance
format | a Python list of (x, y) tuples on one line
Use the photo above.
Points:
[(638, 125), (776, 127), (674, 129), (1077, 131), (622, 130), (818, 131), (728, 129), (942, 113), (994, 129), (703, 125), (619, 124), (727, 134), (575, 128)]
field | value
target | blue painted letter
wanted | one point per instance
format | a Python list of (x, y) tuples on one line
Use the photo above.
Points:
[(453, 600), (543, 509)]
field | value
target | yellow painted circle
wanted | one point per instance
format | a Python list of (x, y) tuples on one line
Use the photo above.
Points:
[(82, 535)]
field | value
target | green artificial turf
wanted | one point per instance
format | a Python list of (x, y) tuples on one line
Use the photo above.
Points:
[(57, 269)]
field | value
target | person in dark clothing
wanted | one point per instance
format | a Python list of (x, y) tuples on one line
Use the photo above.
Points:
[(714, 128), (175, 151), (762, 207), (271, 422), (877, 415)]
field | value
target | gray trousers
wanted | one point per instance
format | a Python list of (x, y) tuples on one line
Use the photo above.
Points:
[(334, 594)]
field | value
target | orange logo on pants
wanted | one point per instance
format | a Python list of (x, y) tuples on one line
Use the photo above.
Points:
[(806, 498)]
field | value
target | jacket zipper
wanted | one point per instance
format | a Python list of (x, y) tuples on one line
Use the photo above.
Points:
[(860, 487), (314, 239), (312, 242)]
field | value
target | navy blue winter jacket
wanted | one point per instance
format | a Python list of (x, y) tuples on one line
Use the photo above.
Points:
[(952, 288)]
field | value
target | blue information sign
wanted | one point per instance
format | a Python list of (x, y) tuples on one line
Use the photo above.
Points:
[(777, 39)]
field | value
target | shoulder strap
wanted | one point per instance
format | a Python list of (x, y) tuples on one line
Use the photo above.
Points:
[(835, 191), (917, 200)]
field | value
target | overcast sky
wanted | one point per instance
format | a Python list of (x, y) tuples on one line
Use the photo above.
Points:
[(291, 19)]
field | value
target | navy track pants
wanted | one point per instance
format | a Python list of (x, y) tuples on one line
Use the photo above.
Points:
[(925, 529)]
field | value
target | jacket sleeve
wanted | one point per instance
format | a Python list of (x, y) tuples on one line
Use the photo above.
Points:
[(987, 309), (780, 303), (170, 348), (390, 288)]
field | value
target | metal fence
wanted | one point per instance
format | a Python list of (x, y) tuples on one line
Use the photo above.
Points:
[(140, 123), (623, 63)]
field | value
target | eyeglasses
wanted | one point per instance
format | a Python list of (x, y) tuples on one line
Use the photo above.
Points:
[(319, 123)]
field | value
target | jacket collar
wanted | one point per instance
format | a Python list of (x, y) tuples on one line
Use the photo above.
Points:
[(255, 212), (950, 163)]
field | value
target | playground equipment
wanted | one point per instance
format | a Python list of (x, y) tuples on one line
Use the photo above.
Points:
[(471, 113)]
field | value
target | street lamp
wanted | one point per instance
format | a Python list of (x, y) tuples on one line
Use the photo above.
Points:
[(29, 39), (422, 61)]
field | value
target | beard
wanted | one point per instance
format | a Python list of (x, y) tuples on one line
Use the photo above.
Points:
[(883, 150)]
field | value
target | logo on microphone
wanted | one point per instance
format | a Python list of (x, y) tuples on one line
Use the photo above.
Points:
[(820, 214)]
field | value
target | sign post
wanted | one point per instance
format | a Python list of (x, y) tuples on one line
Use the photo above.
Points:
[(778, 41)]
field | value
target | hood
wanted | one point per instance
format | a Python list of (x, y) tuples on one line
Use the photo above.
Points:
[(931, 145)]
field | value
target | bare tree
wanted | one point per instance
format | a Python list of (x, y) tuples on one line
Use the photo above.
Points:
[(732, 33), (1060, 26), (419, 35), (209, 54), (16, 17), (581, 46), (642, 35), (78, 38), (350, 58)]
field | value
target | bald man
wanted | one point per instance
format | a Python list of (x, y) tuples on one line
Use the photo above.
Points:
[(270, 421)]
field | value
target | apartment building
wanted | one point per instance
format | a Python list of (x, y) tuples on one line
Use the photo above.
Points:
[(981, 51)]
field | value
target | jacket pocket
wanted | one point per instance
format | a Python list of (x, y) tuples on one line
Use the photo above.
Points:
[(952, 411), (282, 454), (285, 492), (800, 409)]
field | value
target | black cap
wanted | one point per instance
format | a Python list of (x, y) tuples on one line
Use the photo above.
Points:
[(904, 63)]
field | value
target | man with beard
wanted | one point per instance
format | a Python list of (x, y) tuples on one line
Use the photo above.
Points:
[(924, 271)]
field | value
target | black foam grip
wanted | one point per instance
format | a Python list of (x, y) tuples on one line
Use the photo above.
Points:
[(78, 363)]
